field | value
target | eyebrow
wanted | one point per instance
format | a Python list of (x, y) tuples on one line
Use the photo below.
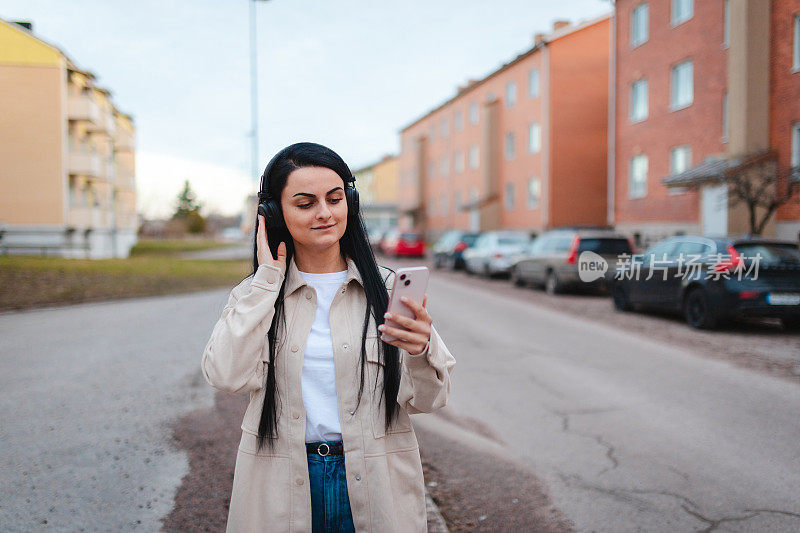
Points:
[(314, 195)]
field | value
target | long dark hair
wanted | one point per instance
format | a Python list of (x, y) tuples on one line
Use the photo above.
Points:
[(353, 244)]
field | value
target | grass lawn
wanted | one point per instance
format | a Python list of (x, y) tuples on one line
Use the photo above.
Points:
[(152, 269)]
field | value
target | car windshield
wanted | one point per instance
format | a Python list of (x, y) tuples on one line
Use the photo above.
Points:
[(605, 246), (469, 238), (409, 236), (770, 252), (512, 239)]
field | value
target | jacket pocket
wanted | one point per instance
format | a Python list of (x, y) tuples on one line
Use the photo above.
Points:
[(402, 422)]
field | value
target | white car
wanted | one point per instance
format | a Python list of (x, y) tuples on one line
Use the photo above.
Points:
[(494, 251)]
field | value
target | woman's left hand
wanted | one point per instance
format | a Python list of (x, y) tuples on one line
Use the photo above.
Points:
[(415, 332)]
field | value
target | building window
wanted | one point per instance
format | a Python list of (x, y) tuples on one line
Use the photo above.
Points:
[(433, 132), (432, 207), (444, 128), (473, 113), (458, 162), (444, 166), (639, 106), (533, 83), (637, 179), (509, 151), (726, 18), (457, 200), (680, 159), (639, 25), (443, 205), (431, 170), (682, 10), (534, 192), (509, 196), (725, 117), (534, 138), (681, 91), (458, 120), (796, 62), (511, 94), (795, 159), (473, 156)]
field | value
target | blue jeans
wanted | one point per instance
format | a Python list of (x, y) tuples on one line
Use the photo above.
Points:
[(330, 504)]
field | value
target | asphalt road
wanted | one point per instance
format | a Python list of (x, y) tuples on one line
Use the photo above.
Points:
[(88, 392), (627, 432), (573, 422)]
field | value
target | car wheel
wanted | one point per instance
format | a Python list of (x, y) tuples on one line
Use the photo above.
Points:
[(791, 323), (437, 262), (551, 284), (621, 301), (515, 279), (698, 311)]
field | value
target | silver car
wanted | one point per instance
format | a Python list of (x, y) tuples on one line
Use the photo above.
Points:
[(551, 260), (493, 252)]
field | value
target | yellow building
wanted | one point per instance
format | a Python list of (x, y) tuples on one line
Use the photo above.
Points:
[(378, 194), (67, 161)]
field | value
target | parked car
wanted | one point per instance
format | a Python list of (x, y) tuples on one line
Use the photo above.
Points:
[(492, 253), (403, 243), (551, 261), (715, 290), (449, 249), (375, 235)]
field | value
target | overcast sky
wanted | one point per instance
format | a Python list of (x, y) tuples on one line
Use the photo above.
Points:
[(344, 73)]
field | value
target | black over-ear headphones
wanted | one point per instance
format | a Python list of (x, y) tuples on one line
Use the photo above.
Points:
[(270, 207)]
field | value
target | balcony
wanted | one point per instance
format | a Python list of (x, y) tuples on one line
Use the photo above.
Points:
[(89, 217), (87, 164), (82, 107)]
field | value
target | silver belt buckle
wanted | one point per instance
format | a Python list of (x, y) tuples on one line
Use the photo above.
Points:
[(327, 451)]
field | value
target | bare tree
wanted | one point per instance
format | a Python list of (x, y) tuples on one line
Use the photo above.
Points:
[(763, 185)]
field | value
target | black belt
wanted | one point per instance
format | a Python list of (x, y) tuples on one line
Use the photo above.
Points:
[(324, 448)]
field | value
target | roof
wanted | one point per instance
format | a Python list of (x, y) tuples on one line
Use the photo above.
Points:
[(714, 168), (537, 46)]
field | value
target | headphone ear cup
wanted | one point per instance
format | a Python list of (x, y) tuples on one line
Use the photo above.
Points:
[(271, 211), (351, 194), (274, 214)]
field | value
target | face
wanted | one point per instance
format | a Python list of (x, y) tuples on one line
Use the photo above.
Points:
[(314, 207)]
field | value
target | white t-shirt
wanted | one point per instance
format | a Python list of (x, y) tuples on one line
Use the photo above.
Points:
[(319, 377)]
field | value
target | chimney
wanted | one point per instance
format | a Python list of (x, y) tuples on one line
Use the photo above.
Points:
[(557, 25), (537, 38), (27, 25)]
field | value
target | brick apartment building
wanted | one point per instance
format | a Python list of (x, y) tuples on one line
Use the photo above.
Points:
[(699, 85), (525, 147), (66, 155)]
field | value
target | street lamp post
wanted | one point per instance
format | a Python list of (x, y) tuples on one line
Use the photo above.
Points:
[(254, 88)]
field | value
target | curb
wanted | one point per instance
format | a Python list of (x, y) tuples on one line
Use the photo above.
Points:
[(436, 523)]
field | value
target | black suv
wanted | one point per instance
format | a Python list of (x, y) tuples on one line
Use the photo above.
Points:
[(712, 279)]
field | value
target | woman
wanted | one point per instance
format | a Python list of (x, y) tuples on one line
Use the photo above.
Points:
[(320, 450)]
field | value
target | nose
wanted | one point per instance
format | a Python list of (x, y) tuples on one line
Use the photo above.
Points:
[(324, 212)]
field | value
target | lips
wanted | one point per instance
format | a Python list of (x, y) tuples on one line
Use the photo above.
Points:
[(324, 227)]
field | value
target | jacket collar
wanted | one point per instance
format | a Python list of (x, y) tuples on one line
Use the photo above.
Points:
[(295, 280)]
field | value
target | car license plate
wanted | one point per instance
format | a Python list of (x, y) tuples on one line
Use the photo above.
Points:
[(783, 298)]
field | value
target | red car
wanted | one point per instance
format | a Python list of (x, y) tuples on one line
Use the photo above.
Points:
[(407, 243)]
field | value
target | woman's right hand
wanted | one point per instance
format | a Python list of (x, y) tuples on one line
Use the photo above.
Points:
[(263, 253)]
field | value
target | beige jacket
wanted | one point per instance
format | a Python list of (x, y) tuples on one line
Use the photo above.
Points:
[(384, 473)]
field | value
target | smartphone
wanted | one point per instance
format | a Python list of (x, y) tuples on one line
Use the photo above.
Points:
[(412, 283)]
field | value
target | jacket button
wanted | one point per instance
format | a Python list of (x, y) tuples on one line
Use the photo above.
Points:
[(346, 346), (296, 415), (295, 347), (352, 412), (343, 289), (358, 478), (299, 481), (308, 295)]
